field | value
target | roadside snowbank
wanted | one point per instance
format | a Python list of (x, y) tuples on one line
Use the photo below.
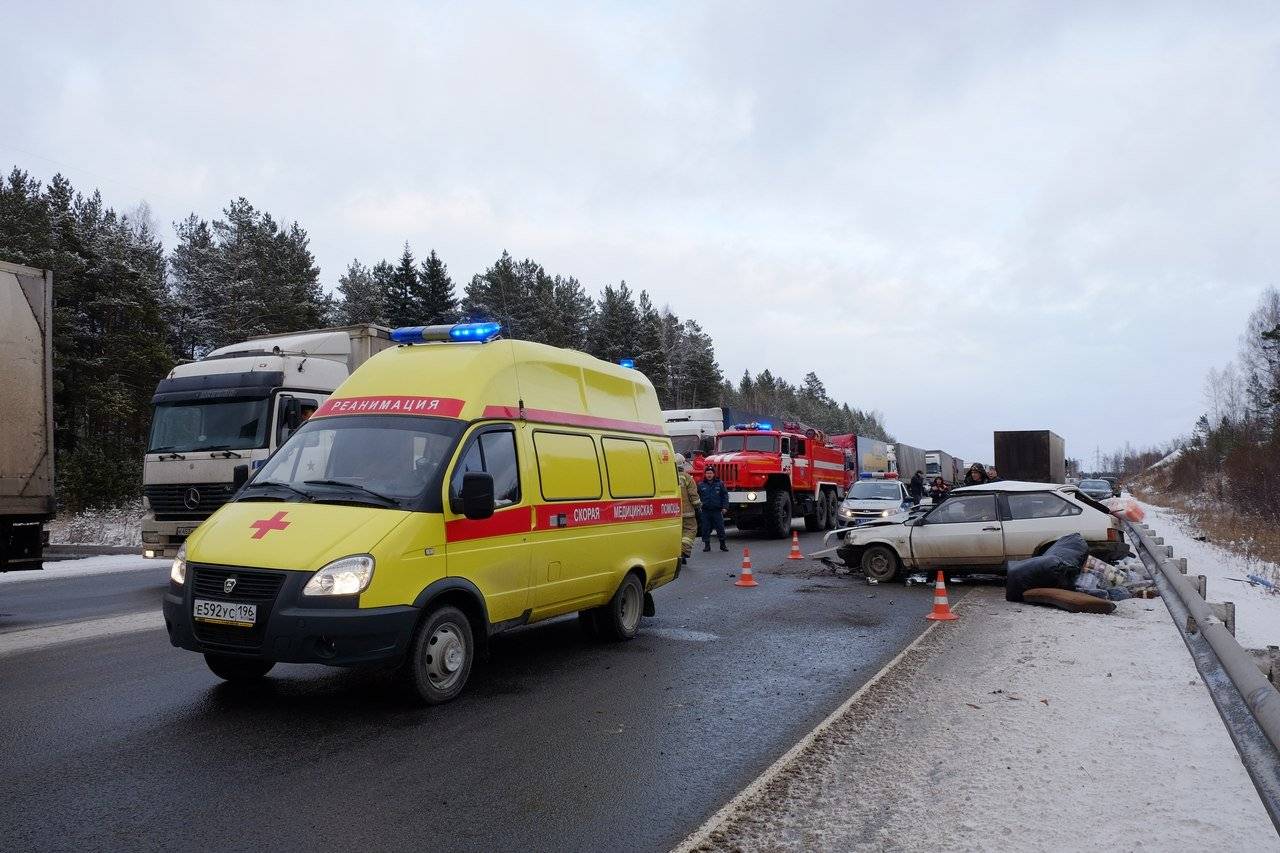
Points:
[(1257, 609), (88, 566), (1020, 728)]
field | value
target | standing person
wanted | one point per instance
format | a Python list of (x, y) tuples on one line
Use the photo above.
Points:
[(690, 509), (992, 474), (938, 491), (715, 497), (976, 475), (916, 489)]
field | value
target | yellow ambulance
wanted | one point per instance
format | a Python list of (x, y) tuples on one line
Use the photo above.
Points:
[(455, 486)]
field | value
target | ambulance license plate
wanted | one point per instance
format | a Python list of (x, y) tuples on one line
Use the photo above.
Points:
[(226, 613)]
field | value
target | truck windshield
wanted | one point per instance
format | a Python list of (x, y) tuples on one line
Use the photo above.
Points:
[(376, 459), (868, 490), (183, 427), (687, 444), (736, 443)]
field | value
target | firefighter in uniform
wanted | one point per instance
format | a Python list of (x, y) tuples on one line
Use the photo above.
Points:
[(690, 509)]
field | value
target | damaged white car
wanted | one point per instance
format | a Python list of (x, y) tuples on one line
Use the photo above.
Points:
[(980, 529)]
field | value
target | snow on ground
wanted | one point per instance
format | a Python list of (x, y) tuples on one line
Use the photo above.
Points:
[(87, 566), (1020, 728), (1257, 609), (120, 525)]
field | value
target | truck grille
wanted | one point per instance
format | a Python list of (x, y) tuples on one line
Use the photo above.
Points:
[(183, 501), (252, 585), (726, 471)]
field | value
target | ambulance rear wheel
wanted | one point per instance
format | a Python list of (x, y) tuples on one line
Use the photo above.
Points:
[(232, 668), (777, 515), (620, 618), (440, 656)]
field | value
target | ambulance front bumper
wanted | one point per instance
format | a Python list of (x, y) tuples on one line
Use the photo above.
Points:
[(289, 628)]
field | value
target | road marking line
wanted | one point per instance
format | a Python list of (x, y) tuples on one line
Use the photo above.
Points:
[(702, 834), (31, 639)]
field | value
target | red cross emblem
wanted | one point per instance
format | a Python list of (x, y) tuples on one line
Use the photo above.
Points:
[(266, 525)]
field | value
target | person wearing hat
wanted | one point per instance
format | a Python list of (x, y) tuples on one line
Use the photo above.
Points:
[(690, 507)]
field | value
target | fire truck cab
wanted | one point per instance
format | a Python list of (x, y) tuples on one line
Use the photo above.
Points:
[(775, 475)]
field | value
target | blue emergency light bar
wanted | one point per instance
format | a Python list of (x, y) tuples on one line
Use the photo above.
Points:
[(627, 362), (480, 332), (753, 425)]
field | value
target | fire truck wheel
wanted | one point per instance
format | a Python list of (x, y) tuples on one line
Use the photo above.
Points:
[(833, 507), (880, 563), (777, 515), (816, 520)]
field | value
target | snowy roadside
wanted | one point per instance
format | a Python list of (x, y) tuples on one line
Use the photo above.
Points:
[(88, 566), (120, 525), (1257, 609), (1019, 728)]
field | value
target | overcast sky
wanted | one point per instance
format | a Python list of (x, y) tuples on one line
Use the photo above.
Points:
[(967, 216)]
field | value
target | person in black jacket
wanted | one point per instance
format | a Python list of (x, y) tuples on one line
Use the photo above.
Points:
[(715, 497), (976, 475), (916, 487), (939, 490)]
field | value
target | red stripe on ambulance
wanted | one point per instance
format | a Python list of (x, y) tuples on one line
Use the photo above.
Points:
[(441, 407), (591, 513)]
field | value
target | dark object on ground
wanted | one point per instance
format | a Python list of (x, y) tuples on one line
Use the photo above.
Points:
[(1068, 600), (1056, 567)]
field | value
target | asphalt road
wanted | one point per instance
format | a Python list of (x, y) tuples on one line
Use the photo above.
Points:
[(123, 742)]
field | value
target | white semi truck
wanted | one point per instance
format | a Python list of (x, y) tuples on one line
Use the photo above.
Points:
[(26, 415), (233, 408)]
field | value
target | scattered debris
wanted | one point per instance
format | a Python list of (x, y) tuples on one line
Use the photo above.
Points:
[(973, 706), (918, 577)]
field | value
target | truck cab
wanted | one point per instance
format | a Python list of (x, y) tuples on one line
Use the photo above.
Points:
[(234, 408)]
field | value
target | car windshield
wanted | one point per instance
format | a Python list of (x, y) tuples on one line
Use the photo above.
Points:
[(1095, 484), (185, 427), (868, 490), (736, 443), (376, 459)]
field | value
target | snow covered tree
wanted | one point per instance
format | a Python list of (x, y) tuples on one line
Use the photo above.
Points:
[(360, 297)]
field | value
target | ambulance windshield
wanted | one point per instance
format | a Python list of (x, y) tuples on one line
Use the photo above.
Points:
[(381, 460)]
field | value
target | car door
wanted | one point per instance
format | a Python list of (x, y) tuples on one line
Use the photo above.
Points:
[(964, 530), (492, 553), (1034, 519)]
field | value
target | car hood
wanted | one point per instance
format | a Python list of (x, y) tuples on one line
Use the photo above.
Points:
[(879, 504), (301, 536)]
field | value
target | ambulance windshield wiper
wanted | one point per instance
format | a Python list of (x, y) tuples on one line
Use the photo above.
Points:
[(386, 500), (264, 484)]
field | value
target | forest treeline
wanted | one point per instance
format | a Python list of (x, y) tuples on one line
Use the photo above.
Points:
[(126, 310)]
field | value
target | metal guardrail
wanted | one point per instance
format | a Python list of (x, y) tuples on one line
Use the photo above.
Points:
[(1246, 700)]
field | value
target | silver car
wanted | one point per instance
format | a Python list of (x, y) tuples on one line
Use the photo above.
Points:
[(980, 529)]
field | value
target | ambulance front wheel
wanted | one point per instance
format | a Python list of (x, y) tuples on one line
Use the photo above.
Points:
[(232, 668), (620, 618), (440, 656)]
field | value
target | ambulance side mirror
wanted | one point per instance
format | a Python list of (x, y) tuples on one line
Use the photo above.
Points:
[(477, 495)]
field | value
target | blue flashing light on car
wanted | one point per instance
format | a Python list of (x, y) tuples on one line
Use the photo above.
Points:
[(627, 362), (475, 331)]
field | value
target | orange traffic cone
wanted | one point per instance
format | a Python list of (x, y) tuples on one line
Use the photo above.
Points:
[(746, 578), (941, 610), (795, 547)]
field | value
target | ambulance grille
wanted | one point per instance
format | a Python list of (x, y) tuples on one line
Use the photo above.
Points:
[(252, 585)]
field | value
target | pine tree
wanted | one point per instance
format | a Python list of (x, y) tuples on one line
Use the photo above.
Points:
[(404, 305), (617, 319), (652, 358), (438, 303), (502, 292), (360, 297), (575, 313)]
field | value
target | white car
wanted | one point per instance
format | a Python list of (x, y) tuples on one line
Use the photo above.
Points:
[(871, 500), (980, 529)]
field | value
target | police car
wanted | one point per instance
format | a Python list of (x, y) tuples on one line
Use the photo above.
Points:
[(873, 497)]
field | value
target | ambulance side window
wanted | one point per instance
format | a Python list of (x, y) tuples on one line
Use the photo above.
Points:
[(492, 452)]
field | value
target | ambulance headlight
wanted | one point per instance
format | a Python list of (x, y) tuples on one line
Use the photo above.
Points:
[(751, 496), (348, 576), (178, 571)]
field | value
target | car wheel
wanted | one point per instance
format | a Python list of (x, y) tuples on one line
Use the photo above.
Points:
[(880, 563), (620, 618), (440, 656), (777, 520), (232, 668)]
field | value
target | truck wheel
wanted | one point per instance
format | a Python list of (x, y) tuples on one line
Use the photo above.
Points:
[(440, 656), (816, 520), (777, 515), (620, 618), (880, 563), (833, 508), (232, 668)]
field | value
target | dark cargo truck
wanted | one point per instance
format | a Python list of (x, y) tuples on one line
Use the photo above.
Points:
[(1034, 455)]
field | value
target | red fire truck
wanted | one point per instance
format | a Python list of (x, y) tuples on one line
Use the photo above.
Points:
[(774, 475)]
